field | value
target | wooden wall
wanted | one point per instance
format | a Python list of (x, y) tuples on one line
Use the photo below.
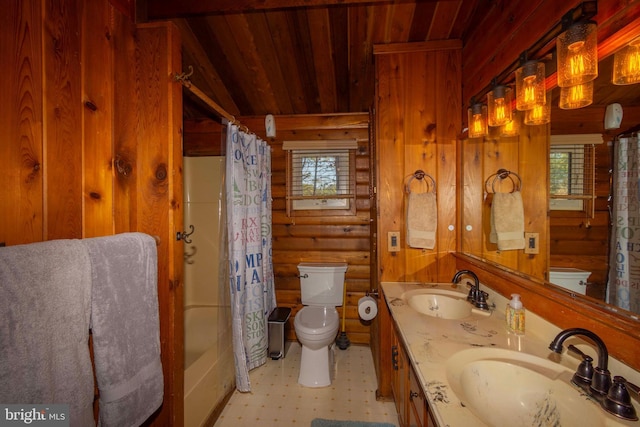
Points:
[(417, 123), (315, 238), (91, 142), (527, 156)]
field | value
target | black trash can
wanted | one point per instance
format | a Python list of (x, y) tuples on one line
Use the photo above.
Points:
[(277, 320)]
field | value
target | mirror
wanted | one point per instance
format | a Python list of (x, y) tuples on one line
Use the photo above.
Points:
[(565, 239)]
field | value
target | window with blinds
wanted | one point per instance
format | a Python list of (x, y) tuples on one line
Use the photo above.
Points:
[(321, 177), (572, 177)]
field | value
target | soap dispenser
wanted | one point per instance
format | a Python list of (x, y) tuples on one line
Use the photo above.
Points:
[(515, 315)]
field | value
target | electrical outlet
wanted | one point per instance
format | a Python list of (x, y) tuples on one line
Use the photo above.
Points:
[(531, 243), (393, 242)]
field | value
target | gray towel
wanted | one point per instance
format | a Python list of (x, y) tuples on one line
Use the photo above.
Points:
[(125, 327), (45, 308)]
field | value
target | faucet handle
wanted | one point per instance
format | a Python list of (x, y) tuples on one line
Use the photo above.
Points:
[(584, 373), (481, 300), (618, 400)]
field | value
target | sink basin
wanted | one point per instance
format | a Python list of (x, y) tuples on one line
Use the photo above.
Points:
[(443, 303), (504, 387)]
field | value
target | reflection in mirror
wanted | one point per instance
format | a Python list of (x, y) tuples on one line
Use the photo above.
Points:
[(576, 238), (579, 241)]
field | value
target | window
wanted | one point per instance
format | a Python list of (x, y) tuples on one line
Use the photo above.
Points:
[(572, 174), (320, 177)]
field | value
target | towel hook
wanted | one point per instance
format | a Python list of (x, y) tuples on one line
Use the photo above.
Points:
[(184, 235)]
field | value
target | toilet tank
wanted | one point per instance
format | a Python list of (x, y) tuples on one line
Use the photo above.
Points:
[(572, 279), (322, 283)]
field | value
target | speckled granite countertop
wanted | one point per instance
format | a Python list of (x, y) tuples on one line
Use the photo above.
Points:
[(431, 341)]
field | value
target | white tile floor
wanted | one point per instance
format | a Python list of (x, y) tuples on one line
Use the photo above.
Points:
[(277, 399)]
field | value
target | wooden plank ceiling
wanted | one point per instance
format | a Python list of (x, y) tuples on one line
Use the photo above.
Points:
[(255, 57)]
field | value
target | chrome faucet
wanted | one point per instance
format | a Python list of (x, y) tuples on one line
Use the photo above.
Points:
[(596, 382), (476, 296)]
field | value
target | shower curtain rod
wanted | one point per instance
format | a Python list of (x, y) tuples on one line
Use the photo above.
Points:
[(183, 78), (630, 131)]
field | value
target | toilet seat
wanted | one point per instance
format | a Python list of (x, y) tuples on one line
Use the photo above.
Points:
[(316, 321)]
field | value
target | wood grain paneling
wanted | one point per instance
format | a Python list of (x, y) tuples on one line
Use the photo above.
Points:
[(417, 121), (21, 151), (87, 97)]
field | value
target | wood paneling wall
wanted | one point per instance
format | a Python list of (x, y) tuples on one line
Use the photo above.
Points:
[(315, 238), (527, 156), (91, 144), (417, 122)]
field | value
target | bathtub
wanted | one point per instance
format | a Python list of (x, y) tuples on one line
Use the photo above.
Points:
[(209, 375)]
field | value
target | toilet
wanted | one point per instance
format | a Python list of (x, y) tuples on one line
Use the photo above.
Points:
[(572, 279), (317, 323)]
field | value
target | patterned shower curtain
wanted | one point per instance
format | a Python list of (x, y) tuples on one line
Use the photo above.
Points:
[(623, 289), (248, 189)]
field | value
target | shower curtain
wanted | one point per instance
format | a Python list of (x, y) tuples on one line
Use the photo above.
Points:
[(623, 288), (248, 189)]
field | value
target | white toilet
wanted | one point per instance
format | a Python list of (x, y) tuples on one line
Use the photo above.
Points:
[(572, 279), (317, 324)]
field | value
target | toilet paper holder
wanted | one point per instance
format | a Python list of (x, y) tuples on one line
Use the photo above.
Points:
[(372, 293)]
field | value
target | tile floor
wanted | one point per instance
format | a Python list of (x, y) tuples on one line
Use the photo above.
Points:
[(277, 399)]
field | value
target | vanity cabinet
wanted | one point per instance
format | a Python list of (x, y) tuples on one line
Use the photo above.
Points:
[(411, 402)]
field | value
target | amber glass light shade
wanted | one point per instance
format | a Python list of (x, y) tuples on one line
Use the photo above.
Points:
[(577, 52), (577, 96), (530, 89), (499, 106), (511, 128), (626, 64), (477, 115), (540, 114)]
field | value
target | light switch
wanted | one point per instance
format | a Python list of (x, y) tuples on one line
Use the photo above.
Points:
[(531, 243), (393, 241)]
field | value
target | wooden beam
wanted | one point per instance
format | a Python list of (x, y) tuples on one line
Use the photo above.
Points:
[(163, 9)]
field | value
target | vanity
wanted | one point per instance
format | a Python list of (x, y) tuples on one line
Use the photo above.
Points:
[(457, 365)]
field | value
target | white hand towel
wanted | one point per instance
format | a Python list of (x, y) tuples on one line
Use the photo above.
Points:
[(507, 220), (422, 220)]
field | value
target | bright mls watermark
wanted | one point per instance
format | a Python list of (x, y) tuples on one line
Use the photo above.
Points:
[(36, 415)]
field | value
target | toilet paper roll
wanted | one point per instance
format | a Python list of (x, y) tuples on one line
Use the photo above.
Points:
[(367, 308)]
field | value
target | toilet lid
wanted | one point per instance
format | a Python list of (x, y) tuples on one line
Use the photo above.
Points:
[(316, 317)]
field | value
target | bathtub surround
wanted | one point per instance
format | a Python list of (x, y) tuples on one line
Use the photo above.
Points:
[(54, 292), (208, 351), (248, 192)]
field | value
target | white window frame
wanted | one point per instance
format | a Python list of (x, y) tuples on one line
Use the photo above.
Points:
[(343, 203)]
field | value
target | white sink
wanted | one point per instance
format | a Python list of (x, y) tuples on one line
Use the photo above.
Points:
[(442, 303), (504, 387)]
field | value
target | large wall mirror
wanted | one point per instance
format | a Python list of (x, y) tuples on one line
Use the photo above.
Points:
[(575, 238)]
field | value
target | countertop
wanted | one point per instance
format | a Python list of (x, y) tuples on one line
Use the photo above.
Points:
[(430, 341)]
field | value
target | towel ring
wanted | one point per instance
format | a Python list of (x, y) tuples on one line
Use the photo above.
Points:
[(501, 175), (420, 175)]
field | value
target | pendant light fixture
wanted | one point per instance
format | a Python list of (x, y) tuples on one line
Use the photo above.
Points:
[(626, 64), (499, 105), (530, 85), (577, 96), (477, 116), (540, 114), (511, 128), (577, 52)]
